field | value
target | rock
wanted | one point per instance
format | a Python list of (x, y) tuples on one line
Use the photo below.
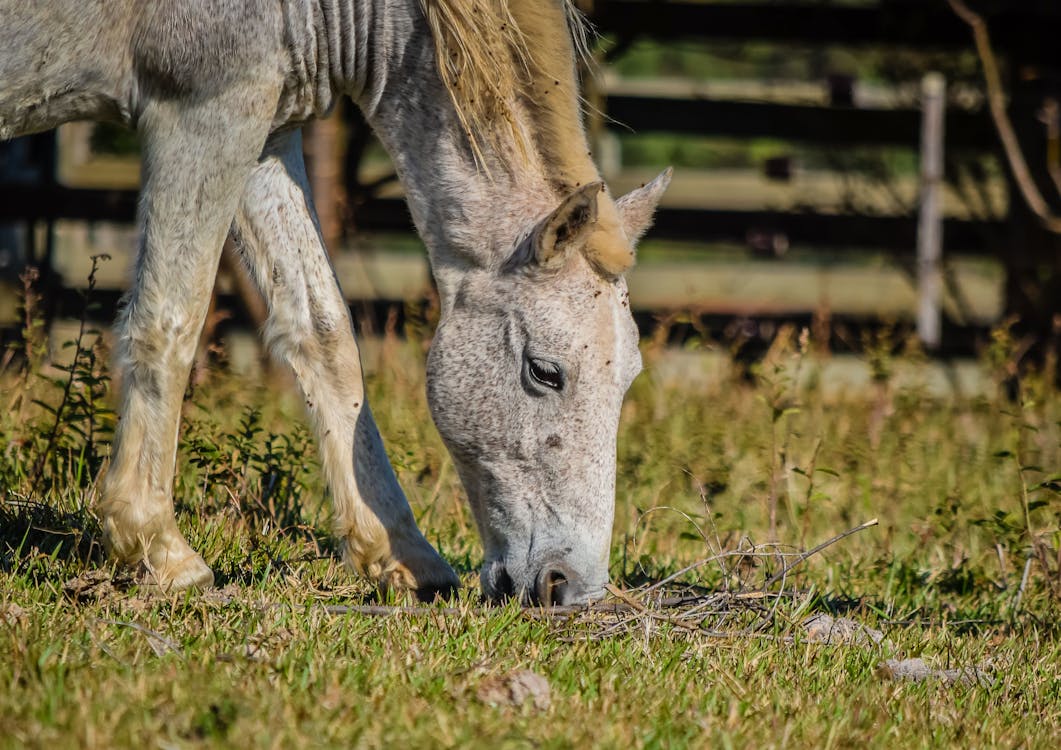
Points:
[(822, 628), (918, 670), (12, 614), (90, 586), (515, 689)]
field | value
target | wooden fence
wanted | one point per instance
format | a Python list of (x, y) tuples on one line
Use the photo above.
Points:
[(1025, 34)]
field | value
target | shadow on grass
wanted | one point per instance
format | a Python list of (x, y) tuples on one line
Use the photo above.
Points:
[(30, 529), (283, 553), (963, 610)]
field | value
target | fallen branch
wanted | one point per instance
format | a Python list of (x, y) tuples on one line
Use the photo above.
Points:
[(625, 602), (624, 606), (688, 608), (638, 606)]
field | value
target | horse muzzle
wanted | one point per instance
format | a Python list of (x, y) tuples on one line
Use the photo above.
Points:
[(555, 583)]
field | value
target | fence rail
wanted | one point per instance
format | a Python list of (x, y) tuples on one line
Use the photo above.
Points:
[(1029, 26), (1025, 33), (896, 234), (841, 126)]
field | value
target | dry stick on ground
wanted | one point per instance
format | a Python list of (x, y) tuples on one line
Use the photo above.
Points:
[(640, 608), (159, 643), (815, 550), (622, 607), (386, 610), (800, 558), (630, 602), (997, 104)]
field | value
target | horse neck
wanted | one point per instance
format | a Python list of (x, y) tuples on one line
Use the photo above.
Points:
[(466, 212)]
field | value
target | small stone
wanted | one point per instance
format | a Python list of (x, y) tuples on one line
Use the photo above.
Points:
[(822, 628), (918, 670), (515, 689), (12, 614), (256, 652), (90, 586)]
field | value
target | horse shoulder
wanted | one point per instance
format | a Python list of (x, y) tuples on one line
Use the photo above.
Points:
[(202, 46)]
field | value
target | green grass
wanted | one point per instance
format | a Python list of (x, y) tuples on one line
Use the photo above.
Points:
[(965, 490)]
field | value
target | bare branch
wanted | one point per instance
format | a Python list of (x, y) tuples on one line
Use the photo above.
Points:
[(997, 104)]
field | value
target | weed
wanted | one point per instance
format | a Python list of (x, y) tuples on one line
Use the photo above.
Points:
[(81, 425)]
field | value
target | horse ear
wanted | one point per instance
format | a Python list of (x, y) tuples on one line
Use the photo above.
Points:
[(567, 226), (637, 207)]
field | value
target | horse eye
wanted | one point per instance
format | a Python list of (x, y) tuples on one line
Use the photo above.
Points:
[(547, 373)]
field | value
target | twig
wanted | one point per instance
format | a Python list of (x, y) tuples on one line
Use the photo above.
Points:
[(815, 550), (389, 610), (1023, 583), (639, 607), (755, 551), (155, 640), (997, 105)]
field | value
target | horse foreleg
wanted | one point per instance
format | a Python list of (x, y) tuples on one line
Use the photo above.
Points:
[(309, 328), (196, 158)]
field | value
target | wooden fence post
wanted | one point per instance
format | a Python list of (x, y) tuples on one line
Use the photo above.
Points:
[(322, 146), (930, 221)]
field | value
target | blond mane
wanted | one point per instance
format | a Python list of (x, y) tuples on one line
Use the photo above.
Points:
[(483, 61), (492, 54)]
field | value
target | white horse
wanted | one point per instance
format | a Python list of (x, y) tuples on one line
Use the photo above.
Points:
[(476, 102)]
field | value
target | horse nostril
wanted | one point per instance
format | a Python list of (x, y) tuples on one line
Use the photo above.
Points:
[(552, 586), (503, 586)]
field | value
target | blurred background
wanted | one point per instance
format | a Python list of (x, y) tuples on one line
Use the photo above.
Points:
[(803, 141)]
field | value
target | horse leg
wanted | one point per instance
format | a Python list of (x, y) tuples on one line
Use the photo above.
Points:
[(309, 327), (197, 153)]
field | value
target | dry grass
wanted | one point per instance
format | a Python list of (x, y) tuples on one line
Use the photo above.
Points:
[(714, 632)]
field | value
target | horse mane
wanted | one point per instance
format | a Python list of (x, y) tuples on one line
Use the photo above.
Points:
[(482, 59), (492, 54)]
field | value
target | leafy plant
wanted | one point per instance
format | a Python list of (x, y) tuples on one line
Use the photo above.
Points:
[(74, 425)]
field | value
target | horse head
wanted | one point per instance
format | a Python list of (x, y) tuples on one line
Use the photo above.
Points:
[(526, 378)]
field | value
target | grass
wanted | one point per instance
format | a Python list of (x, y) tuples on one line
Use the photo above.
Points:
[(965, 489)]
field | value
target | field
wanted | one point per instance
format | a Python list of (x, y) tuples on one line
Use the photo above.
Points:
[(739, 473)]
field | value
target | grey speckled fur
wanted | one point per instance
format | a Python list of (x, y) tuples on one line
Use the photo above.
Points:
[(217, 89)]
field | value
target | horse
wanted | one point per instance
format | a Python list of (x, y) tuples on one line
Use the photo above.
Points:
[(477, 103)]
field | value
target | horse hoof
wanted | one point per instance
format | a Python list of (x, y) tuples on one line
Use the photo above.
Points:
[(190, 573), (437, 592), (429, 585), (411, 566), (428, 575)]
